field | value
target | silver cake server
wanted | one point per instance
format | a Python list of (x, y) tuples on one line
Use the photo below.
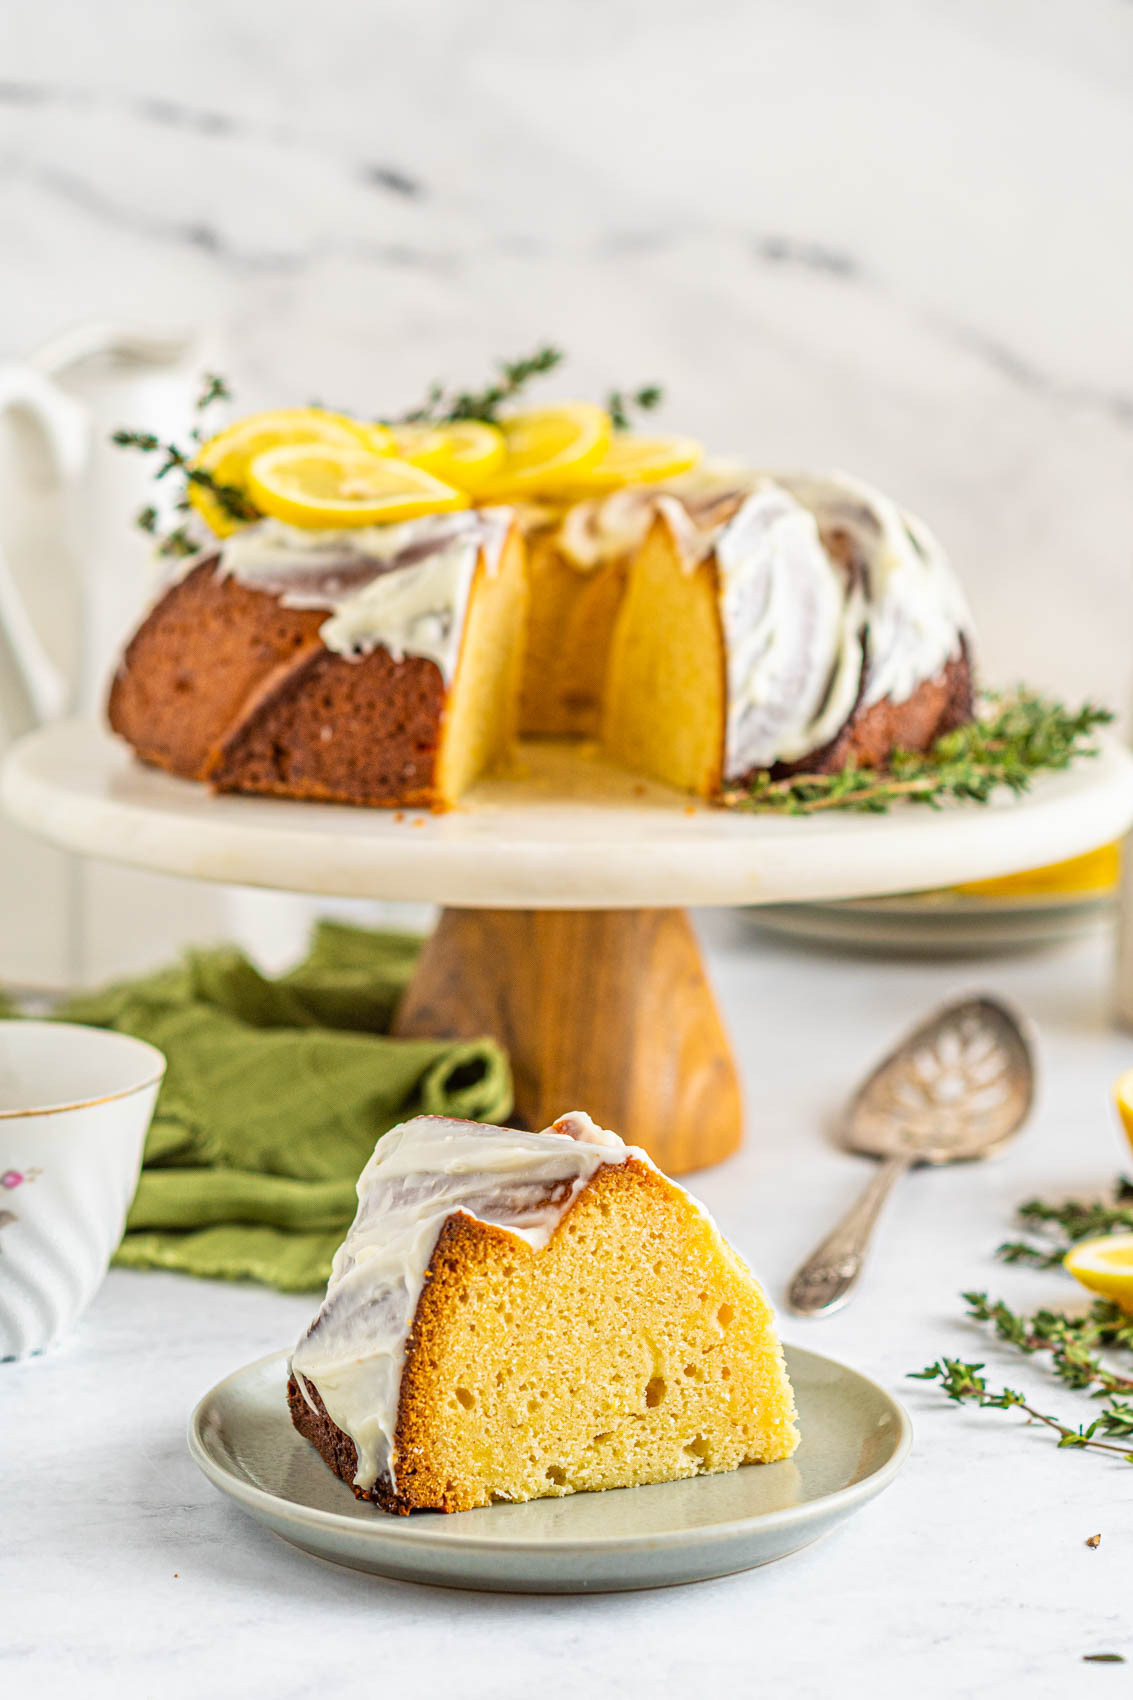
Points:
[(957, 1088)]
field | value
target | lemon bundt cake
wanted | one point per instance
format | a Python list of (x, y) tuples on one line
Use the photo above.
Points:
[(377, 665), (351, 629), (515, 1315)]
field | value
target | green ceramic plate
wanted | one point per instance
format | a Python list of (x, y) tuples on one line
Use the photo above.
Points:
[(855, 1438)]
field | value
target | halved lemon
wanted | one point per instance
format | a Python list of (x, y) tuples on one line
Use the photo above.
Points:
[(466, 453), (1091, 875), (549, 448), (631, 459), (1105, 1266), (228, 455), (321, 486)]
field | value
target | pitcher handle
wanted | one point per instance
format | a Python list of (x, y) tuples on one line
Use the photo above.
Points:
[(32, 687)]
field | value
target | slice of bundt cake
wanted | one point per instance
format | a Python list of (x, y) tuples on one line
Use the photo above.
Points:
[(514, 1315), (377, 666), (812, 625)]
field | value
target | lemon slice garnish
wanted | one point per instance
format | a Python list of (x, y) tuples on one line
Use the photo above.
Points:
[(1091, 875), (631, 459), (322, 486), (466, 453), (1105, 1266), (548, 448), (228, 455)]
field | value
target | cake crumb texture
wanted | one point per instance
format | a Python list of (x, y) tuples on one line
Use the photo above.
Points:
[(635, 1347)]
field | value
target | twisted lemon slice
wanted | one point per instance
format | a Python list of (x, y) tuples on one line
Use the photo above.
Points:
[(631, 459), (228, 455), (548, 449), (319, 486), (466, 453), (1105, 1266)]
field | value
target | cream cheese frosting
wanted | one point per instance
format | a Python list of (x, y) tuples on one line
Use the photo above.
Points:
[(809, 634), (422, 1172), (792, 621), (404, 587), (917, 613)]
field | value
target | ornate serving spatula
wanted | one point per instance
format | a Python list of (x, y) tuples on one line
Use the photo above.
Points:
[(958, 1087)]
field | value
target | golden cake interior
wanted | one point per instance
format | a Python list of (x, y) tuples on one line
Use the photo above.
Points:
[(569, 629), (665, 702), (635, 1347), (480, 717)]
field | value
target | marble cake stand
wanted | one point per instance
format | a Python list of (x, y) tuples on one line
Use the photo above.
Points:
[(563, 930)]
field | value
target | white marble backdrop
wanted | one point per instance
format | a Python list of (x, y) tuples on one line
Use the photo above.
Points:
[(893, 236)]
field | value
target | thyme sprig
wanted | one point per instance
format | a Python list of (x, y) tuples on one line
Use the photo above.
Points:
[(444, 407), (964, 1384), (233, 501), (1069, 1340), (1015, 735), (1072, 1342), (176, 460), (1063, 1225), (441, 407), (620, 405), (213, 388)]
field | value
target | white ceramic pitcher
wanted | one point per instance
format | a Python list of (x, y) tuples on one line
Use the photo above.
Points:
[(74, 575)]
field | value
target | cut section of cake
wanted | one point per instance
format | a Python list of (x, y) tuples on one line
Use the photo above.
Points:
[(813, 624), (580, 557), (376, 665), (519, 1315)]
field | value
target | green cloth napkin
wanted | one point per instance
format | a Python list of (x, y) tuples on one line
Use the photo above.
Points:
[(275, 1094)]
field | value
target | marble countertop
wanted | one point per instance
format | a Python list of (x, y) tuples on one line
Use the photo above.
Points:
[(124, 1574)]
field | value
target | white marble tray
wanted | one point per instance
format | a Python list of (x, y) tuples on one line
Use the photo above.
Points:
[(568, 833)]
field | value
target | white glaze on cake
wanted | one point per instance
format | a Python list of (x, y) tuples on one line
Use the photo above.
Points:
[(917, 612), (792, 620), (608, 528), (799, 620), (420, 1174), (402, 587)]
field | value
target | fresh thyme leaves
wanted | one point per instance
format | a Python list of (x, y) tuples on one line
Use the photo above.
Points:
[(1073, 1343), (442, 408), (173, 459), (963, 1383), (1070, 1222), (619, 405), (213, 389), (1069, 1340), (1016, 735), (177, 543)]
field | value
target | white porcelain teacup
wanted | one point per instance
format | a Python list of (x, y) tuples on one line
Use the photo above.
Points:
[(75, 1103)]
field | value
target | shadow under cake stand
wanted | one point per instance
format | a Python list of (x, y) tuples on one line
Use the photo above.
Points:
[(563, 931)]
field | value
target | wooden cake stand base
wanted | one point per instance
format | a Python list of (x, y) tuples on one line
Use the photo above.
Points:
[(606, 1010)]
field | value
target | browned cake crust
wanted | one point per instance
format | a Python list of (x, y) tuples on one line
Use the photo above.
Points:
[(871, 734), (224, 684)]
